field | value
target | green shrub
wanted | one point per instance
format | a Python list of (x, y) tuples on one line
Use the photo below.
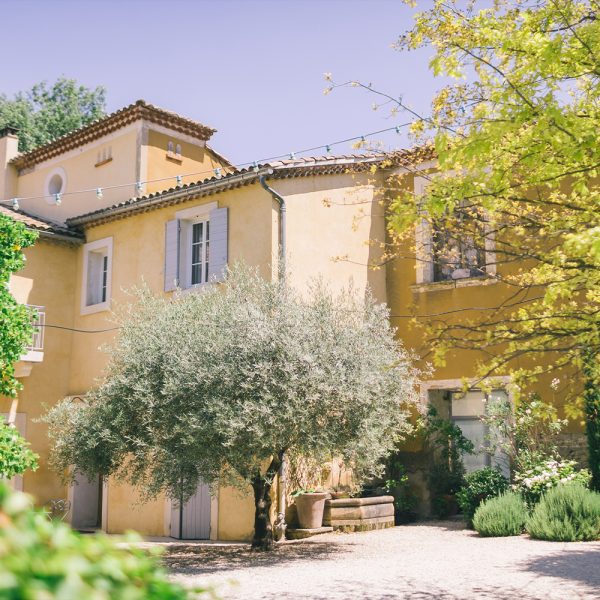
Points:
[(501, 516), (566, 513), (15, 455), (480, 485), (45, 559)]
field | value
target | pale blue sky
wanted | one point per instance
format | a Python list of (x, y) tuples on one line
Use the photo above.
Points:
[(252, 69)]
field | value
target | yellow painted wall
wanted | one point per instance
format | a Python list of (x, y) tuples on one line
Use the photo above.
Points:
[(81, 173), (236, 514), (48, 279), (330, 220), (196, 162), (126, 511)]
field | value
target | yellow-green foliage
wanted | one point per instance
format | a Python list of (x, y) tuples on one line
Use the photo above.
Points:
[(501, 516), (45, 560), (567, 513)]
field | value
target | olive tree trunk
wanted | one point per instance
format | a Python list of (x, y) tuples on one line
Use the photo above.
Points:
[(262, 485)]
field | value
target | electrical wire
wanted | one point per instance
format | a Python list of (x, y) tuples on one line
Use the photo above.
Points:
[(214, 171)]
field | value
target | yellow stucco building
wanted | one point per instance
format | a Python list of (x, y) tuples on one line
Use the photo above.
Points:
[(140, 196)]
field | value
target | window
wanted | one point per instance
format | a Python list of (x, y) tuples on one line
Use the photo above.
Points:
[(178, 149), (199, 252), (453, 247), (196, 247), (56, 183), (458, 246), (170, 147), (97, 264)]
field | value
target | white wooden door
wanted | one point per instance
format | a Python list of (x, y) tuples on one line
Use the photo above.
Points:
[(192, 521)]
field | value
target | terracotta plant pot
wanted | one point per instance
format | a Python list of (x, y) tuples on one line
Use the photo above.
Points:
[(310, 509)]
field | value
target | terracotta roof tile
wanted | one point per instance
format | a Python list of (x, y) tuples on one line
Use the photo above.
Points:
[(41, 225), (110, 123), (281, 169)]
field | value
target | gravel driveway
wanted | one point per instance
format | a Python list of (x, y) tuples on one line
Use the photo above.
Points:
[(423, 561)]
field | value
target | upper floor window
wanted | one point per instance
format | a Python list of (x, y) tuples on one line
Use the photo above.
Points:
[(96, 283), (458, 246), (196, 247), (170, 147), (199, 247), (453, 246)]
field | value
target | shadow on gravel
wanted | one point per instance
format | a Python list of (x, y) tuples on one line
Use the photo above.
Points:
[(194, 559), (582, 566)]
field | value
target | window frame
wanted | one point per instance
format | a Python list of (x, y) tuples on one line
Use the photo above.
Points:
[(187, 219), (105, 248), (426, 253)]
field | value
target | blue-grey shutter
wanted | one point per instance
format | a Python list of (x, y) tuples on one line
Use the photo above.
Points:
[(217, 259), (172, 255)]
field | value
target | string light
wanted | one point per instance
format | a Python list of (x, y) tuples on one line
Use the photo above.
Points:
[(179, 179), (252, 164), (218, 172), (15, 203)]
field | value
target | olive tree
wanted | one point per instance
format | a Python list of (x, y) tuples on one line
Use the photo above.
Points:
[(217, 386)]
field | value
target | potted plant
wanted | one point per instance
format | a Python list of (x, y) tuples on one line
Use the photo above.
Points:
[(310, 505)]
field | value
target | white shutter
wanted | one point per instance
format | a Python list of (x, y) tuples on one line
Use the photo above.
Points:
[(172, 255), (217, 260)]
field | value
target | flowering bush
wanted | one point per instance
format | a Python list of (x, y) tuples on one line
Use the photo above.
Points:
[(533, 482)]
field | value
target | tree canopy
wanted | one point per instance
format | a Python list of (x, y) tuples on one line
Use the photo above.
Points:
[(45, 112), (216, 386), (15, 319), (516, 141)]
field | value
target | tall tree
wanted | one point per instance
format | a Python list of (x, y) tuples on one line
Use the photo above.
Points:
[(15, 319), (517, 144), (217, 386), (44, 113)]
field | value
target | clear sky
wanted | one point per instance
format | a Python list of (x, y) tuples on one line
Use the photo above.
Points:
[(252, 69)]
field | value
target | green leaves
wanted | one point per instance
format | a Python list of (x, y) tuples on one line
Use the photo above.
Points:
[(15, 455), (44, 113), (211, 385), (15, 319), (40, 558)]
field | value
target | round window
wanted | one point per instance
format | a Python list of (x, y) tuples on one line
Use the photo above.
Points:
[(55, 184)]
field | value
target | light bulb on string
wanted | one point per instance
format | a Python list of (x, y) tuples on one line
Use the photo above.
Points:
[(255, 166), (328, 149), (99, 193), (292, 156), (15, 203), (218, 173), (57, 199), (139, 188), (179, 179)]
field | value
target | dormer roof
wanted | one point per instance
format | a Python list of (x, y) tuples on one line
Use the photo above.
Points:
[(140, 110)]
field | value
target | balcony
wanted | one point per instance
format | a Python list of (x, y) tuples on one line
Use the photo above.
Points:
[(34, 353)]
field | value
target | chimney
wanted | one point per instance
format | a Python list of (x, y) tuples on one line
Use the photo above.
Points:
[(9, 148)]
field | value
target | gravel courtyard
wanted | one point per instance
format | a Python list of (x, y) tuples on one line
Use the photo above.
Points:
[(423, 561)]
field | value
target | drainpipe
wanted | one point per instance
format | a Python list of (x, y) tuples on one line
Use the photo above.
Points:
[(280, 525), (282, 213)]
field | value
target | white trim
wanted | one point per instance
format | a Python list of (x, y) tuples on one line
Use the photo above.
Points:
[(83, 148), (196, 212), (105, 243), (104, 513), (183, 137), (214, 516), (504, 381)]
